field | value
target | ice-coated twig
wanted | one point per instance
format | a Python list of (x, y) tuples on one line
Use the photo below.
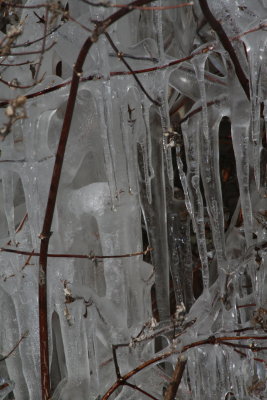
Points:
[(82, 256), (120, 55), (140, 390), (15, 347)]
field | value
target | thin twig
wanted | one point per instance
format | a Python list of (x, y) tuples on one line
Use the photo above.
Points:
[(115, 360), (254, 358), (82, 256), (140, 390), (120, 55), (15, 347), (22, 222)]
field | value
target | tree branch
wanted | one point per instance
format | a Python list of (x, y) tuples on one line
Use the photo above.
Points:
[(176, 378)]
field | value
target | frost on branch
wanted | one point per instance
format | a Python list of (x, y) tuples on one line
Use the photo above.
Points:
[(157, 252)]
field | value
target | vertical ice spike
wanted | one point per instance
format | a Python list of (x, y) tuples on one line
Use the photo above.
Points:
[(104, 103), (256, 46), (199, 62), (8, 197), (191, 135)]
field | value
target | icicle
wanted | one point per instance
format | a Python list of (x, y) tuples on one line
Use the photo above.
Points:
[(104, 103), (190, 134), (157, 19), (256, 46), (8, 197), (240, 114), (146, 150), (199, 62), (188, 264), (129, 121), (165, 123), (184, 182), (210, 172), (175, 262)]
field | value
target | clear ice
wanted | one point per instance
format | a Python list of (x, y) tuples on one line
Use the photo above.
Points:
[(181, 180)]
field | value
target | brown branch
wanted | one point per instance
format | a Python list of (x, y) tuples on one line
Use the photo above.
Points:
[(22, 222), (15, 347), (115, 360), (82, 256), (247, 305), (15, 65), (254, 358), (215, 24), (176, 378)]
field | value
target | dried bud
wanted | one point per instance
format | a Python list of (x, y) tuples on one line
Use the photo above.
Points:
[(20, 101), (9, 111)]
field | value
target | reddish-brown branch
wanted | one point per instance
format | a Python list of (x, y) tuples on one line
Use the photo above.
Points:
[(254, 358), (82, 256), (22, 222), (247, 305), (176, 379)]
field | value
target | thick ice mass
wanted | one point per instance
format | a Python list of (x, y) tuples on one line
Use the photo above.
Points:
[(158, 243)]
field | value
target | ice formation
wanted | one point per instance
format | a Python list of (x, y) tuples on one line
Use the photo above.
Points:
[(186, 178)]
